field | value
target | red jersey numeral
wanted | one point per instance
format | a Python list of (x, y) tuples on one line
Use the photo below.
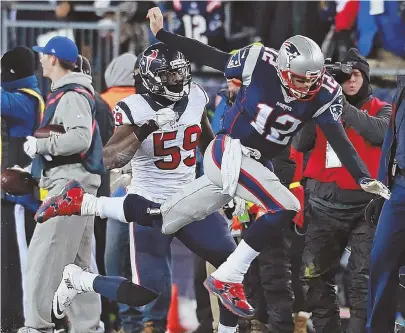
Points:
[(190, 142)]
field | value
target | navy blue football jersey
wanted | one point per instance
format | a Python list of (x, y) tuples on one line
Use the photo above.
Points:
[(200, 20), (265, 116)]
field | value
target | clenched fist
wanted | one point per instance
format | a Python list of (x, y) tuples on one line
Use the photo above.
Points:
[(155, 17)]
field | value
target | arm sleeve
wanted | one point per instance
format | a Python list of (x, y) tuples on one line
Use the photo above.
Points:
[(344, 149), (16, 105), (194, 50), (75, 113), (370, 128), (304, 141), (242, 64)]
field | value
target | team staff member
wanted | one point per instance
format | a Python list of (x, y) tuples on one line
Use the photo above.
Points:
[(77, 154)]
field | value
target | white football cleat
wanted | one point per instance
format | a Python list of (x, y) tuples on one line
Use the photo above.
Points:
[(66, 292)]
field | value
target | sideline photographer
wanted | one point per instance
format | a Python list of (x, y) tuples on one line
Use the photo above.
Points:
[(337, 204)]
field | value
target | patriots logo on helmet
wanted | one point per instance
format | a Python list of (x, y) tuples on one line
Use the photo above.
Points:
[(291, 50), (148, 61)]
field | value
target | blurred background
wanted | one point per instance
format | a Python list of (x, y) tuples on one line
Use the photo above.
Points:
[(105, 29)]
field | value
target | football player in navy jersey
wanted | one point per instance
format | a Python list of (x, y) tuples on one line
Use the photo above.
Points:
[(280, 91)]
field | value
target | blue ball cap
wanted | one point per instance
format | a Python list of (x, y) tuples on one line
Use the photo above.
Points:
[(61, 47)]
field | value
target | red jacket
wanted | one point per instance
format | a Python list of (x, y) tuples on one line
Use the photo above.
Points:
[(316, 166)]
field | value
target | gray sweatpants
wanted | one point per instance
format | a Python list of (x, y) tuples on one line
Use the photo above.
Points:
[(203, 196), (56, 243)]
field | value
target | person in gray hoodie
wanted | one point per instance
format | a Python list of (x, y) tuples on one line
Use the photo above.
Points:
[(76, 154)]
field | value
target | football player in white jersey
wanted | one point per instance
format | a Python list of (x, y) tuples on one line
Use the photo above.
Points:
[(159, 132)]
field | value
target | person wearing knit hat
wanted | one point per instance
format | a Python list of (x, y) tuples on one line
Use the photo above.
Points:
[(337, 204), (21, 106), (17, 63), (357, 88), (357, 61)]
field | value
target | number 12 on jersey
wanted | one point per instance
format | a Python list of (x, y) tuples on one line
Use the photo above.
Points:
[(281, 126), (190, 142)]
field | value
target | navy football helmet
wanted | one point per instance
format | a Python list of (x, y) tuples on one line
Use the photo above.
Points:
[(165, 72)]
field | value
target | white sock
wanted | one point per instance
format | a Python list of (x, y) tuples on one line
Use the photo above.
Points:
[(83, 280), (226, 329), (111, 208), (237, 264), (89, 205), (104, 207)]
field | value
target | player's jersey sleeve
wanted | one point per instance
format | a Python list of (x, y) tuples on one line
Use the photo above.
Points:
[(131, 111), (198, 95), (242, 64), (329, 103)]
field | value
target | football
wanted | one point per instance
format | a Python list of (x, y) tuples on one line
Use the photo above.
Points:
[(49, 130), (17, 181)]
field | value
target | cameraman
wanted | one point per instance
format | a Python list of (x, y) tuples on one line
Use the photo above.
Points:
[(337, 203)]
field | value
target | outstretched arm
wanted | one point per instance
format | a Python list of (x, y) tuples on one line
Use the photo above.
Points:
[(195, 51)]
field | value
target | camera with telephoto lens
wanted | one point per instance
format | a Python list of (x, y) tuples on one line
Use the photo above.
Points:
[(340, 72)]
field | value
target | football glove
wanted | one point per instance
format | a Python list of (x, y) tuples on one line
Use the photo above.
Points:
[(374, 186), (30, 146)]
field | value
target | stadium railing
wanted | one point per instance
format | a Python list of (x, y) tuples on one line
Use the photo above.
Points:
[(99, 41)]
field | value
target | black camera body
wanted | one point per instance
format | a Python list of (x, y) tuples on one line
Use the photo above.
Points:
[(340, 72)]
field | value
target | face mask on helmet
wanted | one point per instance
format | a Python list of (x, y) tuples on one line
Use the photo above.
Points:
[(176, 82), (171, 80), (300, 86)]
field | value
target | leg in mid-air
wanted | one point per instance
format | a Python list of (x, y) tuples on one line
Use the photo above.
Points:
[(76, 280), (211, 240)]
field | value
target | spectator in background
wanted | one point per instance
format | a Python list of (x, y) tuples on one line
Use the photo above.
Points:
[(21, 108), (119, 78), (274, 22), (343, 14), (200, 20), (337, 204), (65, 11), (381, 33)]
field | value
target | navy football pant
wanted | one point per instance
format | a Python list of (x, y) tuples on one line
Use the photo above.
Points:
[(387, 256), (210, 239)]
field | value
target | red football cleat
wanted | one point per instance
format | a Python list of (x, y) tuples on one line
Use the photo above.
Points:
[(231, 295), (67, 202)]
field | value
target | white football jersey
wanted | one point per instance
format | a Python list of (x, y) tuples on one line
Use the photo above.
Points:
[(166, 159)]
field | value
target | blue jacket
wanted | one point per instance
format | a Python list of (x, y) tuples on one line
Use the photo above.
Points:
[(388, 25), (19, 109), (387, 155)]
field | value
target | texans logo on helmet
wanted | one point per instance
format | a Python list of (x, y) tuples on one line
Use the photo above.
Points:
[(292, 51), (149, 59)]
